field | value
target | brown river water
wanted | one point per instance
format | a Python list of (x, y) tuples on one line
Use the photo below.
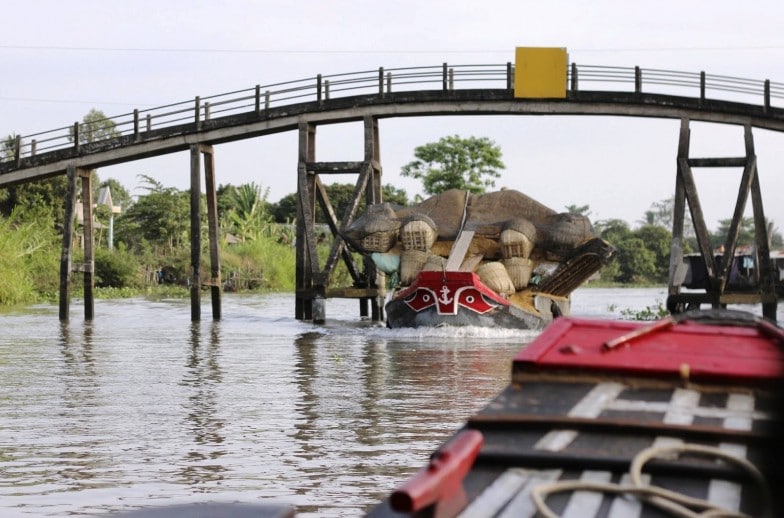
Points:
[(142, 407)]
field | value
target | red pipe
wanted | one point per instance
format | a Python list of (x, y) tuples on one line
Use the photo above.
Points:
[(440, 482)]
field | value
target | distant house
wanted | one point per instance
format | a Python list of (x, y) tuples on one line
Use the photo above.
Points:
[(104, 198)]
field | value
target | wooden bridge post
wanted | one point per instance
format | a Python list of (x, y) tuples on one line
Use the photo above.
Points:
[(195, 233), (197, 150), (88, 267), (216, 285), (306, 256), (65, 256), (373, 194), (313, 282), (719, 272), (767, 285)]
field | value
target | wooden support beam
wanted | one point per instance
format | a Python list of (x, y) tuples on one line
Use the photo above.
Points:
[(678, 212), (65, 256), (307, 258), (195, 232), (767, 285), (354, 293), (373, 195), (333, 167), (88, 273), (373, 158), (701, 229), (338, 245), (213, 231), (676, 246), (731, 240), (718, 162), (699, 298), (351, 210), (312, 283), (718, 275)]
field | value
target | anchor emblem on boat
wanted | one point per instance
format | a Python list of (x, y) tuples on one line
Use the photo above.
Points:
[(445, 298)]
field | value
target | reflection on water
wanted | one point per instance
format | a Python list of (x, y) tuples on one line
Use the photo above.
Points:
[(143, 407), (78, 465), (202, 378)]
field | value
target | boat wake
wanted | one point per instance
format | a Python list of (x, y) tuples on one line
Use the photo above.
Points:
[(440, 332)]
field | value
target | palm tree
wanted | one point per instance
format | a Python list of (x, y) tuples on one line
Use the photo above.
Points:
[(248, 218)]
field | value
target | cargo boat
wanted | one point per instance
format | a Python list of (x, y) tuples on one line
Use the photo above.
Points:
[(460, 298), (498, 259), (620, 419)]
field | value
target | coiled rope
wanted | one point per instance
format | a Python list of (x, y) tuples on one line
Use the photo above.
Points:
[(677, 504)]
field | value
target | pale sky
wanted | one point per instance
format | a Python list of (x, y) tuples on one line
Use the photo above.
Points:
[(61, 59)]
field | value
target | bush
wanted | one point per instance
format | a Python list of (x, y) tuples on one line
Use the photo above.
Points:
[(261, 264), (29, 260), (116, 269)]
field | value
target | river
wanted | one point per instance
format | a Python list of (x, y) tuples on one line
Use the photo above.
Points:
[(142, 407)]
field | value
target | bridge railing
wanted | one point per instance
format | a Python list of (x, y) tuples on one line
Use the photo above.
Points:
[(138, 124)]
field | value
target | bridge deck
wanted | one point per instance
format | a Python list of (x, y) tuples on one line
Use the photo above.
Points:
[(424, 91)]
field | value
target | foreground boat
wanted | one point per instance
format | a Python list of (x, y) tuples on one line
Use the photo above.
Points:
[(619, 419)]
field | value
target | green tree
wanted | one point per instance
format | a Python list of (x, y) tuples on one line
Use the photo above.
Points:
[(660, 213), (8, 149), (34, 197), (247, 215), (469, 164), (658, 241), (643, 253), (745, 232), (285, 210), (636, 262), (160, 218), (392, 194), (95, 126), (583, 210), (614, 231)]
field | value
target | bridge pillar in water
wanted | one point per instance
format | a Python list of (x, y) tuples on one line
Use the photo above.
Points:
[(197, 151), (87, 267), (718, 270), (313, 283)]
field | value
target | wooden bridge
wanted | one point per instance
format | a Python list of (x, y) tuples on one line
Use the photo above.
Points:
[(302, 105)]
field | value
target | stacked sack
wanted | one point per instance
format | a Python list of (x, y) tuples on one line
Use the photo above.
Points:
[(417, 236), (380, 229), (495, 277), (517, 242)]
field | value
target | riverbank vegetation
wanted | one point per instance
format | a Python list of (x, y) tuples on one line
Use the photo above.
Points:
[(143, 242), (151, 243)]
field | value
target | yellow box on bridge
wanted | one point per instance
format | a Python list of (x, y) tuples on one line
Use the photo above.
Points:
[(540, 72)]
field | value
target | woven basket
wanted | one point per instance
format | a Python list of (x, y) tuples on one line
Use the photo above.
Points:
[(522, 225), (434, 263), (495, 276), (417, 234), (379, 241), (519, 271), (411, 263), (515, 244)]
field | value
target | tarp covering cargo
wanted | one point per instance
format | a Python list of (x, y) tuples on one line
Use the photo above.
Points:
[(496, 218)]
